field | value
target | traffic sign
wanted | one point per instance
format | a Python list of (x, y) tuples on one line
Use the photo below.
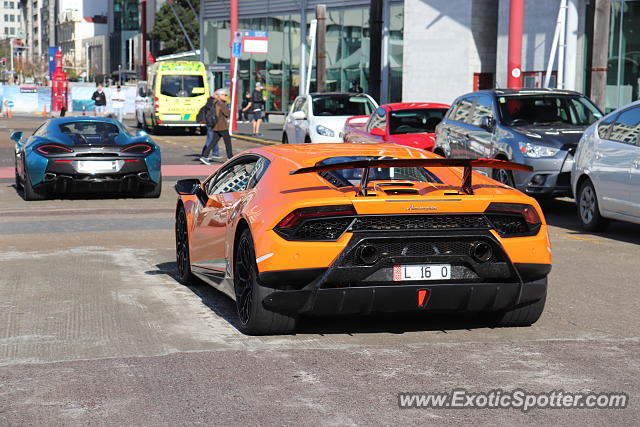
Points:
[(237, 50), (255, 41)]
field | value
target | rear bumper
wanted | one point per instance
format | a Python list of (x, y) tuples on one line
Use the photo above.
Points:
[(353, 285), (179, 123), (478, 297), (63, 178)]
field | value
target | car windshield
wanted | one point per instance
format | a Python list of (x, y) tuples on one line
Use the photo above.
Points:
[(342, 105), (90, 132), (547, 110), (182, 86), (349, 177), (415, 121)]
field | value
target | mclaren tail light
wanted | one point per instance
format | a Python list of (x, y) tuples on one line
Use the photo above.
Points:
[(137, 149), (48, 149)]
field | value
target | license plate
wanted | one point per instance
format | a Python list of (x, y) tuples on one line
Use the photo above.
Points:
[(172, 117), (421, 272), (97, 166)]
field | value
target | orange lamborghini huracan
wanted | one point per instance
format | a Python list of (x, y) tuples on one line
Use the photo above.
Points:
[(329, 229)]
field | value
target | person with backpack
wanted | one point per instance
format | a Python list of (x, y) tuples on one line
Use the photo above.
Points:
[(216, 116)]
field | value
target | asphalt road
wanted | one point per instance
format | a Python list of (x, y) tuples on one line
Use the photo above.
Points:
[(94, 328)]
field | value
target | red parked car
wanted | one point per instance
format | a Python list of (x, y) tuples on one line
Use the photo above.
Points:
[(411, 124)]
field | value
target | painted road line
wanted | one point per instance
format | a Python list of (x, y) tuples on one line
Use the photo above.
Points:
[(583, 239), (167, 170), (254, 139)]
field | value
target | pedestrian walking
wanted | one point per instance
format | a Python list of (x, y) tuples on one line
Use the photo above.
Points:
[(100, 100), (256, 107), (217, 118), (117, 103), (244, 108)]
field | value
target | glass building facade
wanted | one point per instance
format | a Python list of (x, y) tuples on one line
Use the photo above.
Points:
[(623, 75), (347, 53)]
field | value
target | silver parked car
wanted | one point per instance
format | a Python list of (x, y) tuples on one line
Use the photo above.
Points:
[(606, 171)]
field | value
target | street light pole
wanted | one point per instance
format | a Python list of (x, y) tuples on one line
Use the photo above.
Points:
[(514, 62)]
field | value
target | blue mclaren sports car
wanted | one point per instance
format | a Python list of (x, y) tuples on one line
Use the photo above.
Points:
[(86, 155)]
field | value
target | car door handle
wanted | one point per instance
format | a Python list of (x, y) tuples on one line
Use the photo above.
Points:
[(598, 155), (636, 164)]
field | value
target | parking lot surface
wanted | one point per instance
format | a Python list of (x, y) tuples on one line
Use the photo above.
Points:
[(94, 328)]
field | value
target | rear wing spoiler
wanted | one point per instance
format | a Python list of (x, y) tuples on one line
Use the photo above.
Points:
[(467, 164)]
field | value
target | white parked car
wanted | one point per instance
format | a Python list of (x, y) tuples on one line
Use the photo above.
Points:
[(606, 170), (320, 117)]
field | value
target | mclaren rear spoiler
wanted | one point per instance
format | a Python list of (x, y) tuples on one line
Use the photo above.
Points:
[(467, 164)]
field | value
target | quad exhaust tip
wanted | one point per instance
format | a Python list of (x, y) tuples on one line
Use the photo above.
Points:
[(367, 254), (481, 251)]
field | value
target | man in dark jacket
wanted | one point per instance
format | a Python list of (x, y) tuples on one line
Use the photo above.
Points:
[(217, 107), (100, 100)]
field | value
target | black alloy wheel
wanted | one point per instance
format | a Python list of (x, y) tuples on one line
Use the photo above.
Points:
[(254, 318), (504, 176), (182, 249)]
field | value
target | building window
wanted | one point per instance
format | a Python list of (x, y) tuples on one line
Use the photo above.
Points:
[(623, 75), (6, 30), (12, 30), (12, 18)]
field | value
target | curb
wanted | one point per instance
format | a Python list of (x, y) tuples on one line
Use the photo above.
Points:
[(254, 139)]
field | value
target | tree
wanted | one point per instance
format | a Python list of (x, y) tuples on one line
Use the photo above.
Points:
[(168, 31)]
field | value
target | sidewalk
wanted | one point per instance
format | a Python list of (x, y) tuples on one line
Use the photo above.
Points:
[(271, 133)]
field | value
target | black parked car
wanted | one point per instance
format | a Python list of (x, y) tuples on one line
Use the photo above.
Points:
[(538, 127)]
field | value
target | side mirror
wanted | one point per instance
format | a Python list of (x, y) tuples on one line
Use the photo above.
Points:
[(298, 115), (17, 135), (487, 123), (377, 132), (187, 187)]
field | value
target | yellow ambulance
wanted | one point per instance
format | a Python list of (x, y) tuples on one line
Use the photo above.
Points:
[(176, 92)]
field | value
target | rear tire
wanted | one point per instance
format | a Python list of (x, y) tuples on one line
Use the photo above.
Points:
[(588, 208), (156, 192), (183, 260), (28, 193), (307, 139), (285, 138), (254, 318), (525, 315)]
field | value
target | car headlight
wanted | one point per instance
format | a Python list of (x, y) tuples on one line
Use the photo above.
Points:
[(536, 151), (324, 131)]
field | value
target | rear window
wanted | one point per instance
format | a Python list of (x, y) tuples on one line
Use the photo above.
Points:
[(342, 105), (349, 177), (547, 110), (415, 121), (86, 132), (182, 86)]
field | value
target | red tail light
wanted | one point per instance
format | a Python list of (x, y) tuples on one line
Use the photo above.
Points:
[(137, 149), (296, 217), (53, 149), (157, 105), (514, 219)]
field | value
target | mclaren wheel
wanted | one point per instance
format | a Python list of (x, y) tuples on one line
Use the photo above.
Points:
[(588, 209), (254, 318), (155, 193), (28, 193), (182, 249)]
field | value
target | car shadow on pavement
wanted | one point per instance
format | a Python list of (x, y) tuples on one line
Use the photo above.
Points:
[(563, 213), (225, 307)]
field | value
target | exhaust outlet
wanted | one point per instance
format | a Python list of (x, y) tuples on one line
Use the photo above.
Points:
[(49, 176), (367, 254), (481, 251)]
